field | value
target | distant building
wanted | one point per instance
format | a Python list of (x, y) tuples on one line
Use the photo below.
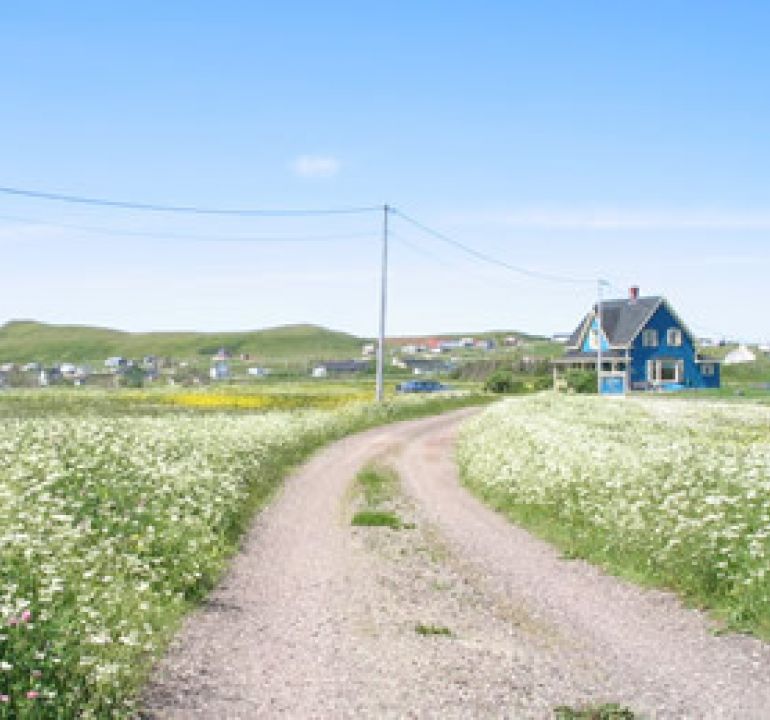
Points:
[(220, 370), (368, 349), (221, 354), (485, 344), (420, 366), (740, 355), (340, 367), (259, 372), (116, 363)]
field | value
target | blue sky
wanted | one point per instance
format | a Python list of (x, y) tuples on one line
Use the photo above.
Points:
[(623, 140)]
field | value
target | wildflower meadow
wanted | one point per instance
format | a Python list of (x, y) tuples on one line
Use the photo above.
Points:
[(112, 526), (673, 492)]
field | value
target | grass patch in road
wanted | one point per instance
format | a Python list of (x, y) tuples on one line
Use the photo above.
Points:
[(426, 630), (609, 711), (377, 484), (377, 518)]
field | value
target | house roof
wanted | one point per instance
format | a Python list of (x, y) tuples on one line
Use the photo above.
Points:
[(621, 320)]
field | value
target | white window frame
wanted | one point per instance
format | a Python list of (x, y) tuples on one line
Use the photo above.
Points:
[(655, 370), (650, 337), (674, 337), (707, 369)]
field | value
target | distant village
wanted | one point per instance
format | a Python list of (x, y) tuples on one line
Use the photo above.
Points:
[(417, 356), (405, 356)]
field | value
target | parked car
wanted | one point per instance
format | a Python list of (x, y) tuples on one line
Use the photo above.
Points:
[(420, 386)]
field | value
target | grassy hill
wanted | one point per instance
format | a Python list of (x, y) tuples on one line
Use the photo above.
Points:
[(29, 341)]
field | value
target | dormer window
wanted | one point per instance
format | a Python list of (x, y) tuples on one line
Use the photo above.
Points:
[(593, 339), (674, 337), (650, 338)]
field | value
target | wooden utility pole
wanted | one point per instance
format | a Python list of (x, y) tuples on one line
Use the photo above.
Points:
[(380, 393)]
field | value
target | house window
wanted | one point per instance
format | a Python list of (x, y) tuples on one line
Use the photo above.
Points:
[(593, 339), (650, 338), (674, 337), (660, 371), (707, 370)]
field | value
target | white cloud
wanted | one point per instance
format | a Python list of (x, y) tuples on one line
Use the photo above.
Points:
[(315, 166), (624, 219)]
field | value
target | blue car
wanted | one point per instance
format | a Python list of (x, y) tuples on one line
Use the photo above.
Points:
[(420, 386)]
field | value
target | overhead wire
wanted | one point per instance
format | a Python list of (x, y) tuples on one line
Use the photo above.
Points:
[(162, 235), (184, 209), (528, 272)]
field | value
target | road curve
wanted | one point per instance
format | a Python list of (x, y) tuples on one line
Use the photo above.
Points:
[(317, 619)]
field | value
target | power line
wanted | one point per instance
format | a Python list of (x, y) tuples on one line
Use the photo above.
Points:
[(419, 249), (192, 238), (489, 258), (186, 209)]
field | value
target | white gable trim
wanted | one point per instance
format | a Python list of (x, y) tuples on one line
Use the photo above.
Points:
[(673, 314), (587, 322)]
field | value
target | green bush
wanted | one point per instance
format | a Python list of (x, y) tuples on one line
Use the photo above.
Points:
[(502, 381), (581, 381), (543, 382)]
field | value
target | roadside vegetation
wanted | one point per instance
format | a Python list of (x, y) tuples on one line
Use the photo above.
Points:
[(609, 711), (377, 486), (670, 492), (117, 515)]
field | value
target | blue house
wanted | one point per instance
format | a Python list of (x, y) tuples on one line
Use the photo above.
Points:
[(644, 346)]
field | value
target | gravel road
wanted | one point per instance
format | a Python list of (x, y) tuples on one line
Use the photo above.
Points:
[(317, 619)]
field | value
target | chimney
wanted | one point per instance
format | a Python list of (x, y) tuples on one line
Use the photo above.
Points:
[(633, 293)]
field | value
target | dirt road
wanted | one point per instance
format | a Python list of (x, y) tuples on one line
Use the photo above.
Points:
[(318, 619)]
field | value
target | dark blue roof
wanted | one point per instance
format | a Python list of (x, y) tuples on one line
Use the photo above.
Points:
[(621, 320)]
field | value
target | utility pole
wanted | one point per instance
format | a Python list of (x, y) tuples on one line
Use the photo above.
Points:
[(383, 305), (600, 287)]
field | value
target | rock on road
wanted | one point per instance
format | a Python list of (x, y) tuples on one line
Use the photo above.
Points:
[(317, 619)]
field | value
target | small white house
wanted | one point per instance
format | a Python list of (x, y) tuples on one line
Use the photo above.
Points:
[(319, 372), (740, 355), (258, 372)]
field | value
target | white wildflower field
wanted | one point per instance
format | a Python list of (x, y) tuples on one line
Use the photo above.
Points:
[(111, 526), (676, 492)]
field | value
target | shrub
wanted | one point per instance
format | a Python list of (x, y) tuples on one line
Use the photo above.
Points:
[(502, 381), (582, 381)]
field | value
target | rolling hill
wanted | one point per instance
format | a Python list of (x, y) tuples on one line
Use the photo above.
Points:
[(29, 341)]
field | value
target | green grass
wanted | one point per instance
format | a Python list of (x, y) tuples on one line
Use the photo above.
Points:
[(377, 518), (29, 341), (427, 630), (377, 484), (610, 711)]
